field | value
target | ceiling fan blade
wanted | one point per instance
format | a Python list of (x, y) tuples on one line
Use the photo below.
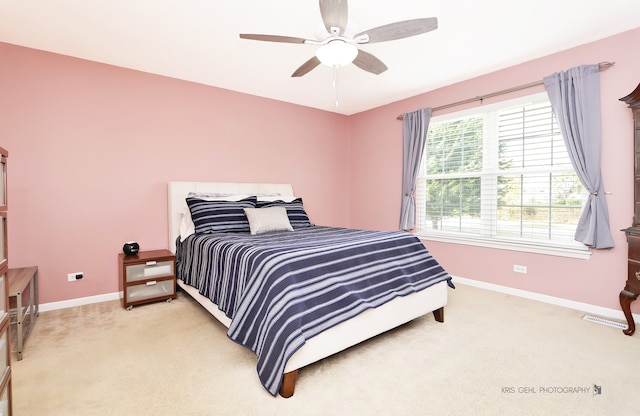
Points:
[(306, 67), (272, 38), (369, 63), (334, 14), (400, 30)]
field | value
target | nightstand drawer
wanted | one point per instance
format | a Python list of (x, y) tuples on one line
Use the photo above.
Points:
[(150, 290), (149, 270)]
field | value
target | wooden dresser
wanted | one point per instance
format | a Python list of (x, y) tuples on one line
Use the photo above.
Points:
[(632, 287)]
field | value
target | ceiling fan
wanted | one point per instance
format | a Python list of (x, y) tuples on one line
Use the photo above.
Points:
[(337, 44)]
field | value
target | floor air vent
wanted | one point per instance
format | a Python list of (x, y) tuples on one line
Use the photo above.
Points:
[(606, 322)]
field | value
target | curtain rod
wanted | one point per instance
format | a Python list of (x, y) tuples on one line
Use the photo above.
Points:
[(602, 65)]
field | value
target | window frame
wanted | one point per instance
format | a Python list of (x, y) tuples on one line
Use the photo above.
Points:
[(572, 249)]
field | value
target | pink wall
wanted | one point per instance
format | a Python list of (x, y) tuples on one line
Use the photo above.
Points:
[(376, 140), (92, 147)]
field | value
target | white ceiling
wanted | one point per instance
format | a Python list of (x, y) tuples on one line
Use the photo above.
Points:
[(197, 40)]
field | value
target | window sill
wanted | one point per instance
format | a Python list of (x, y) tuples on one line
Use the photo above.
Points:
[(574, 250)]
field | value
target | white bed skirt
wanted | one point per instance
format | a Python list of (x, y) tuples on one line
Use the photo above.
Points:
[(364, 326)]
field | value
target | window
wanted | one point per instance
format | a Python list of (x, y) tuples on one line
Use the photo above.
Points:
[(500, 176)]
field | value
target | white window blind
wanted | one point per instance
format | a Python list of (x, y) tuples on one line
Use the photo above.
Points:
[(500, 174)]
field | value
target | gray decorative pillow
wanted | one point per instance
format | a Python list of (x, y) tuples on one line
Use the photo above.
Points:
[(266, 220)]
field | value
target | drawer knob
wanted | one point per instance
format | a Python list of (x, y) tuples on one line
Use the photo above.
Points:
[(638, 275)]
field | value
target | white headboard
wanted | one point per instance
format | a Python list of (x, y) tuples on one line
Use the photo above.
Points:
[(178, 191)]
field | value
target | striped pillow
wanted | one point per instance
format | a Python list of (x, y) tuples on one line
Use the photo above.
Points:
[(295, 211), (224, 216)]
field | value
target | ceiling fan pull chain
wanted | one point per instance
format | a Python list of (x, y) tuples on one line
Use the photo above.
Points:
[(335, 84)]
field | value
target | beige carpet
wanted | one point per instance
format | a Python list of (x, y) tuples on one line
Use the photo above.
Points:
[(495, 354)]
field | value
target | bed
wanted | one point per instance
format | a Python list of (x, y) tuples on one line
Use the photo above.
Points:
[(281, 356)]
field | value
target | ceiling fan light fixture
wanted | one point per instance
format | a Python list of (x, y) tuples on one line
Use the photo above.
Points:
[(337, 53)]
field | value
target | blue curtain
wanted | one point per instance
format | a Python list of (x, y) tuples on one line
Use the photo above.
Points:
[(575, 100), (414, 136)]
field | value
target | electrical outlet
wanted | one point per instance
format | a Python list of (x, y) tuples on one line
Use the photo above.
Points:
[(72, 277), (520, 269)]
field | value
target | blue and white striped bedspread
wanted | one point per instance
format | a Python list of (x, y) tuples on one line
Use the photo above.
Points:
[(281, 289)]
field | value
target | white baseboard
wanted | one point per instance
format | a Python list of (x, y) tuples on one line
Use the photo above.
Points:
[(584, 307), (79, 301)]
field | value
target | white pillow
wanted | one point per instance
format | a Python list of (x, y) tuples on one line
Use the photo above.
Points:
[(265, 220), (186, 223)]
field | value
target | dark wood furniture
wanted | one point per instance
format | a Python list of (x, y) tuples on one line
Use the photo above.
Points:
[(148, 276), (6, 407), (632, 287), (23, 304)]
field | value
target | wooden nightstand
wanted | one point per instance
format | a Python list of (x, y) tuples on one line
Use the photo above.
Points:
[(148, 276)]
